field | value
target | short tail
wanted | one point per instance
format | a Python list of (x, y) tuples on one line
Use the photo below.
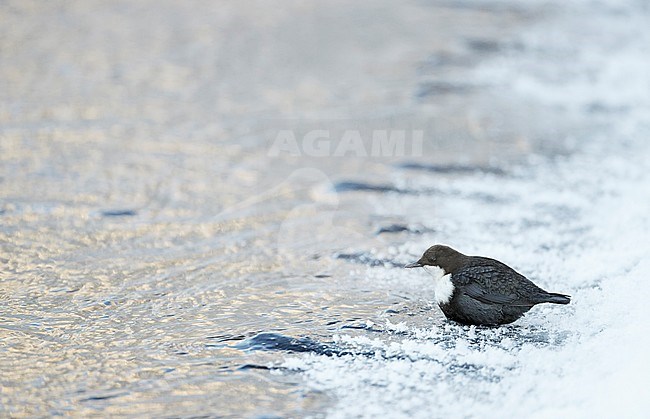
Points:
[(554, 298)]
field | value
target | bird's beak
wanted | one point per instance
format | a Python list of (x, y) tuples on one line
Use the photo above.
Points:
[(414, 265)]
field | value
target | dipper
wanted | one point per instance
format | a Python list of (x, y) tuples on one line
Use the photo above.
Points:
[(479, 290)]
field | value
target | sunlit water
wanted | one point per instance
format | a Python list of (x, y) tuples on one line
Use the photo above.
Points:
[(156, 260)]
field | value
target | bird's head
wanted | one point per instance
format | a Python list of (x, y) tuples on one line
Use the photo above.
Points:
[(440, 256)]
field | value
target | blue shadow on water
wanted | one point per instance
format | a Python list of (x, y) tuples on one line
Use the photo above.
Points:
[(119, 213)]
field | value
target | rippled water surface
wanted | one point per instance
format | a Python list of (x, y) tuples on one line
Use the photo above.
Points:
[(159, 259)]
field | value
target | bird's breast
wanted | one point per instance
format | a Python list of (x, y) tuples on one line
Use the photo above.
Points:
[(442, 286)]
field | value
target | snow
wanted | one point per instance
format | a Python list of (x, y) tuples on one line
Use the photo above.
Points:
[(575, 224)]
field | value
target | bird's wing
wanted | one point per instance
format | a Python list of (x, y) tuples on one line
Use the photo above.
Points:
[(494, 284)]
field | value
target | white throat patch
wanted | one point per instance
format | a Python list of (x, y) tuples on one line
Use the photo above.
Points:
[(443, 286)]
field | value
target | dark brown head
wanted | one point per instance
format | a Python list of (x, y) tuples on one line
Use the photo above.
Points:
[(441, 256)]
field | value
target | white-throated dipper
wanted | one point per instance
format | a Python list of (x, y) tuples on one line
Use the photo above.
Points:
[(481, 291)]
